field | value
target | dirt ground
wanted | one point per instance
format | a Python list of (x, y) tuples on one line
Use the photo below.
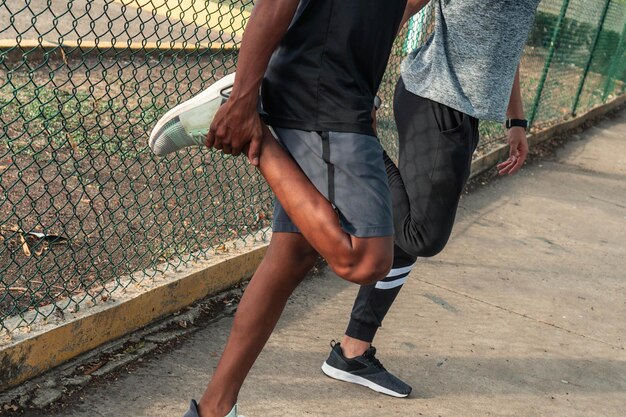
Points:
[(77, 169)]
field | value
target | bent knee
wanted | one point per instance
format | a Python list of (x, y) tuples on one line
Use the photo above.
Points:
[(425, 246), (433, 247), (365, 272)]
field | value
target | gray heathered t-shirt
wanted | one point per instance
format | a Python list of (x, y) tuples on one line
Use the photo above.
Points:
[(469, 62)]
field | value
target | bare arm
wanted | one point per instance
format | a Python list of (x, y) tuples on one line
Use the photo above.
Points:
[(516, 108), (516, 136), (237, 123)]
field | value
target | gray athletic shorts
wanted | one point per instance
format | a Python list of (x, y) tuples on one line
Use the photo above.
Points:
[(348, 169)]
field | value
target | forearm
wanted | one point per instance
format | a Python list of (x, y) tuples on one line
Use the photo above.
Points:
[(516, 107), (268, 24), (516, 136)]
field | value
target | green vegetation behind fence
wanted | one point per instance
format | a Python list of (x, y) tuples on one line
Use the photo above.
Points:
[(83, 203)]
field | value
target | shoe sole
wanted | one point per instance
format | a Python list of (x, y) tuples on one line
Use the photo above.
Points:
[(219, 90), (354, 379)]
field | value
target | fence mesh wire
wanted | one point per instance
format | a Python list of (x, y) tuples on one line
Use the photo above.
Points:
[(84, 203)]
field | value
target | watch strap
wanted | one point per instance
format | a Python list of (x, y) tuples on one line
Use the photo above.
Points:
[(516, 123)]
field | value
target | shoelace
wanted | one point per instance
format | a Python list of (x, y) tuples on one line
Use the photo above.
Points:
[(199, 138), (370, 356)]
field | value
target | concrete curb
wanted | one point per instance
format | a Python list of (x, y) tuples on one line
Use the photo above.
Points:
[(43, 390), (488, 161), (48, 345)]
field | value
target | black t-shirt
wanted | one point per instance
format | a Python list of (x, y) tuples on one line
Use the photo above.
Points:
[(328, 67)]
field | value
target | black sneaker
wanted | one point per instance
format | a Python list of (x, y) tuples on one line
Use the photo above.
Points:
[(364, 370)]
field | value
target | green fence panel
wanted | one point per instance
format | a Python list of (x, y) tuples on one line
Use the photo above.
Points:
[(618, 62), (82, 200), (537, 39), (592, 55)]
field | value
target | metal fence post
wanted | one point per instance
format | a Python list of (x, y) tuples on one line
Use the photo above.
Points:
[(594, 44), (617, 58), (546, 68)]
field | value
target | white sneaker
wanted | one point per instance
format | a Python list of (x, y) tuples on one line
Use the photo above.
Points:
[(233, 412), (193, 411), (188, 123)]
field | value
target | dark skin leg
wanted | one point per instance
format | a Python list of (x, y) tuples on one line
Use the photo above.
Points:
[(289, 258), (359, 260)]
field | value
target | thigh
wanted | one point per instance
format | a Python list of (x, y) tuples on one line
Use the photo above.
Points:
[(306, 149), (348, 169), (359, 186), (435, 153)]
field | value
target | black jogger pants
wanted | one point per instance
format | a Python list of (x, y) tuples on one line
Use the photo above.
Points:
[(436, 144)]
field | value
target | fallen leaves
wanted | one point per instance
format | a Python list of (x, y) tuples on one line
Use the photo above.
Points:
[(32, 242)]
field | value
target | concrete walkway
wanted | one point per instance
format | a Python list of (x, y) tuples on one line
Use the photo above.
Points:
[(123, 22), (522, 315)]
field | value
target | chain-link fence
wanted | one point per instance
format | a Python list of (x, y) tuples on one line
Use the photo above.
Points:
[(84, 203)]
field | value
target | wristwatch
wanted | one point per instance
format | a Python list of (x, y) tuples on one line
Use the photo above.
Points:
[(516, 123)]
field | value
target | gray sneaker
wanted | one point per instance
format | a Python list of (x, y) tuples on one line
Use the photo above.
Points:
[(193, 411), (188, 123), (364, 370)]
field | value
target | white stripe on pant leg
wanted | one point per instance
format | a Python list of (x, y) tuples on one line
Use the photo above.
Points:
[(399, 271), (387, 285), (402, 273)]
